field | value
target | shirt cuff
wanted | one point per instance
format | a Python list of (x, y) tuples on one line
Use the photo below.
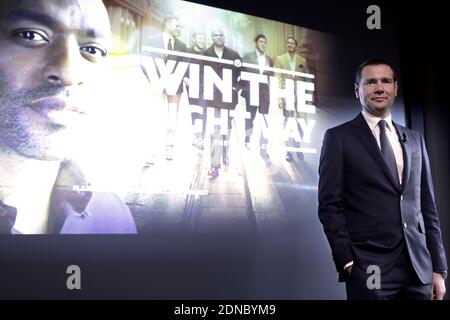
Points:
[(348, 265)]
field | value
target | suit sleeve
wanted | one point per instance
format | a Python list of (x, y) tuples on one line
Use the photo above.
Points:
[(244, 84), (430, 215), (271, 64), (306, 68), (331, 188), (237, 82), (280, 78)]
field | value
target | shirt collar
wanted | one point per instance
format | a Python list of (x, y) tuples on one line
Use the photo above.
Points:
[(7, 218), (166, 37), (372, 120), (69, 175), (259, 54)]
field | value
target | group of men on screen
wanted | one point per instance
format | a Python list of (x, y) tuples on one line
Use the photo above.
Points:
[(218, 51)]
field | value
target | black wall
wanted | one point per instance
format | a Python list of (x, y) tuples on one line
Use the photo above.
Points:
[(423, 37)]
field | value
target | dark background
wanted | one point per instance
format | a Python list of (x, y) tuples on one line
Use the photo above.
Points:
[(162, 266)]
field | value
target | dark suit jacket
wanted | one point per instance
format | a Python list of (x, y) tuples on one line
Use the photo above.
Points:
[(198, 61), (366, 217), (157, 41), (228, 54), (78, 211), (264, 89)]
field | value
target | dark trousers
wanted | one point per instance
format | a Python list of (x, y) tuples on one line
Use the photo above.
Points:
[(219, 141), (199, 136), (400, 283), (291, 142), (249, 124)]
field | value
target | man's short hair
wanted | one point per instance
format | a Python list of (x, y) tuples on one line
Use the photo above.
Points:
[(195, 34), (293, 38), (168, 19), (259, 36), (215, 29), (373, 62)]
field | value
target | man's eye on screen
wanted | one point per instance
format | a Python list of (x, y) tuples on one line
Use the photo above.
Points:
[(31, 36), (93, 52)]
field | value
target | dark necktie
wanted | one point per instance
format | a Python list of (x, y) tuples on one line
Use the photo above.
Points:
[(387, 152), (169, 45)]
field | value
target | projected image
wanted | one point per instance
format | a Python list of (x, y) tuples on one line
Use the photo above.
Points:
[(157, 116), (234, 129)]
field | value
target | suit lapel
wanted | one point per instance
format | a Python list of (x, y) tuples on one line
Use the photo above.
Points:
[(266, 61), (297, 63), (255, 58), (364, 133), (159, 41), (285, 62), (406, 155), (64, 200)]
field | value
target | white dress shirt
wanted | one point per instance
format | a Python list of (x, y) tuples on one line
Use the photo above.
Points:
[(261, 61), (166, 38), (393, 138)]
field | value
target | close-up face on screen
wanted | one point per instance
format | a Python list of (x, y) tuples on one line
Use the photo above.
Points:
[(178, 150)]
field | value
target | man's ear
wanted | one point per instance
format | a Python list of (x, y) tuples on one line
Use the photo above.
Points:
[(356, 90)]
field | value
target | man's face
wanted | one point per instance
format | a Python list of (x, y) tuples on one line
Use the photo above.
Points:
[(174, 27), (199, 41), (49, 52), (218, 38), (291, 46), (377, 89), (261, 44)]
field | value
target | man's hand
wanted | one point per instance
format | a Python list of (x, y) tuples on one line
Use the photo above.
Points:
[(349, 270), (438, 286)]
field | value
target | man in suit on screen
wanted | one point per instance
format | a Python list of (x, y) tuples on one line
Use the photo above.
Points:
[(170, 101), (376, 199), (218, 51), (260, 58), (197, 48), (293, 62)]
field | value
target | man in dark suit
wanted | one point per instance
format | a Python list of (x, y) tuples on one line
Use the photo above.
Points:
[(198, 47), (168, 40), (259, 58), (218, 50), (376, 200)]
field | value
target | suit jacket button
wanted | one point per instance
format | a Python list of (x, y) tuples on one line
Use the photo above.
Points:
[(405, 225)]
